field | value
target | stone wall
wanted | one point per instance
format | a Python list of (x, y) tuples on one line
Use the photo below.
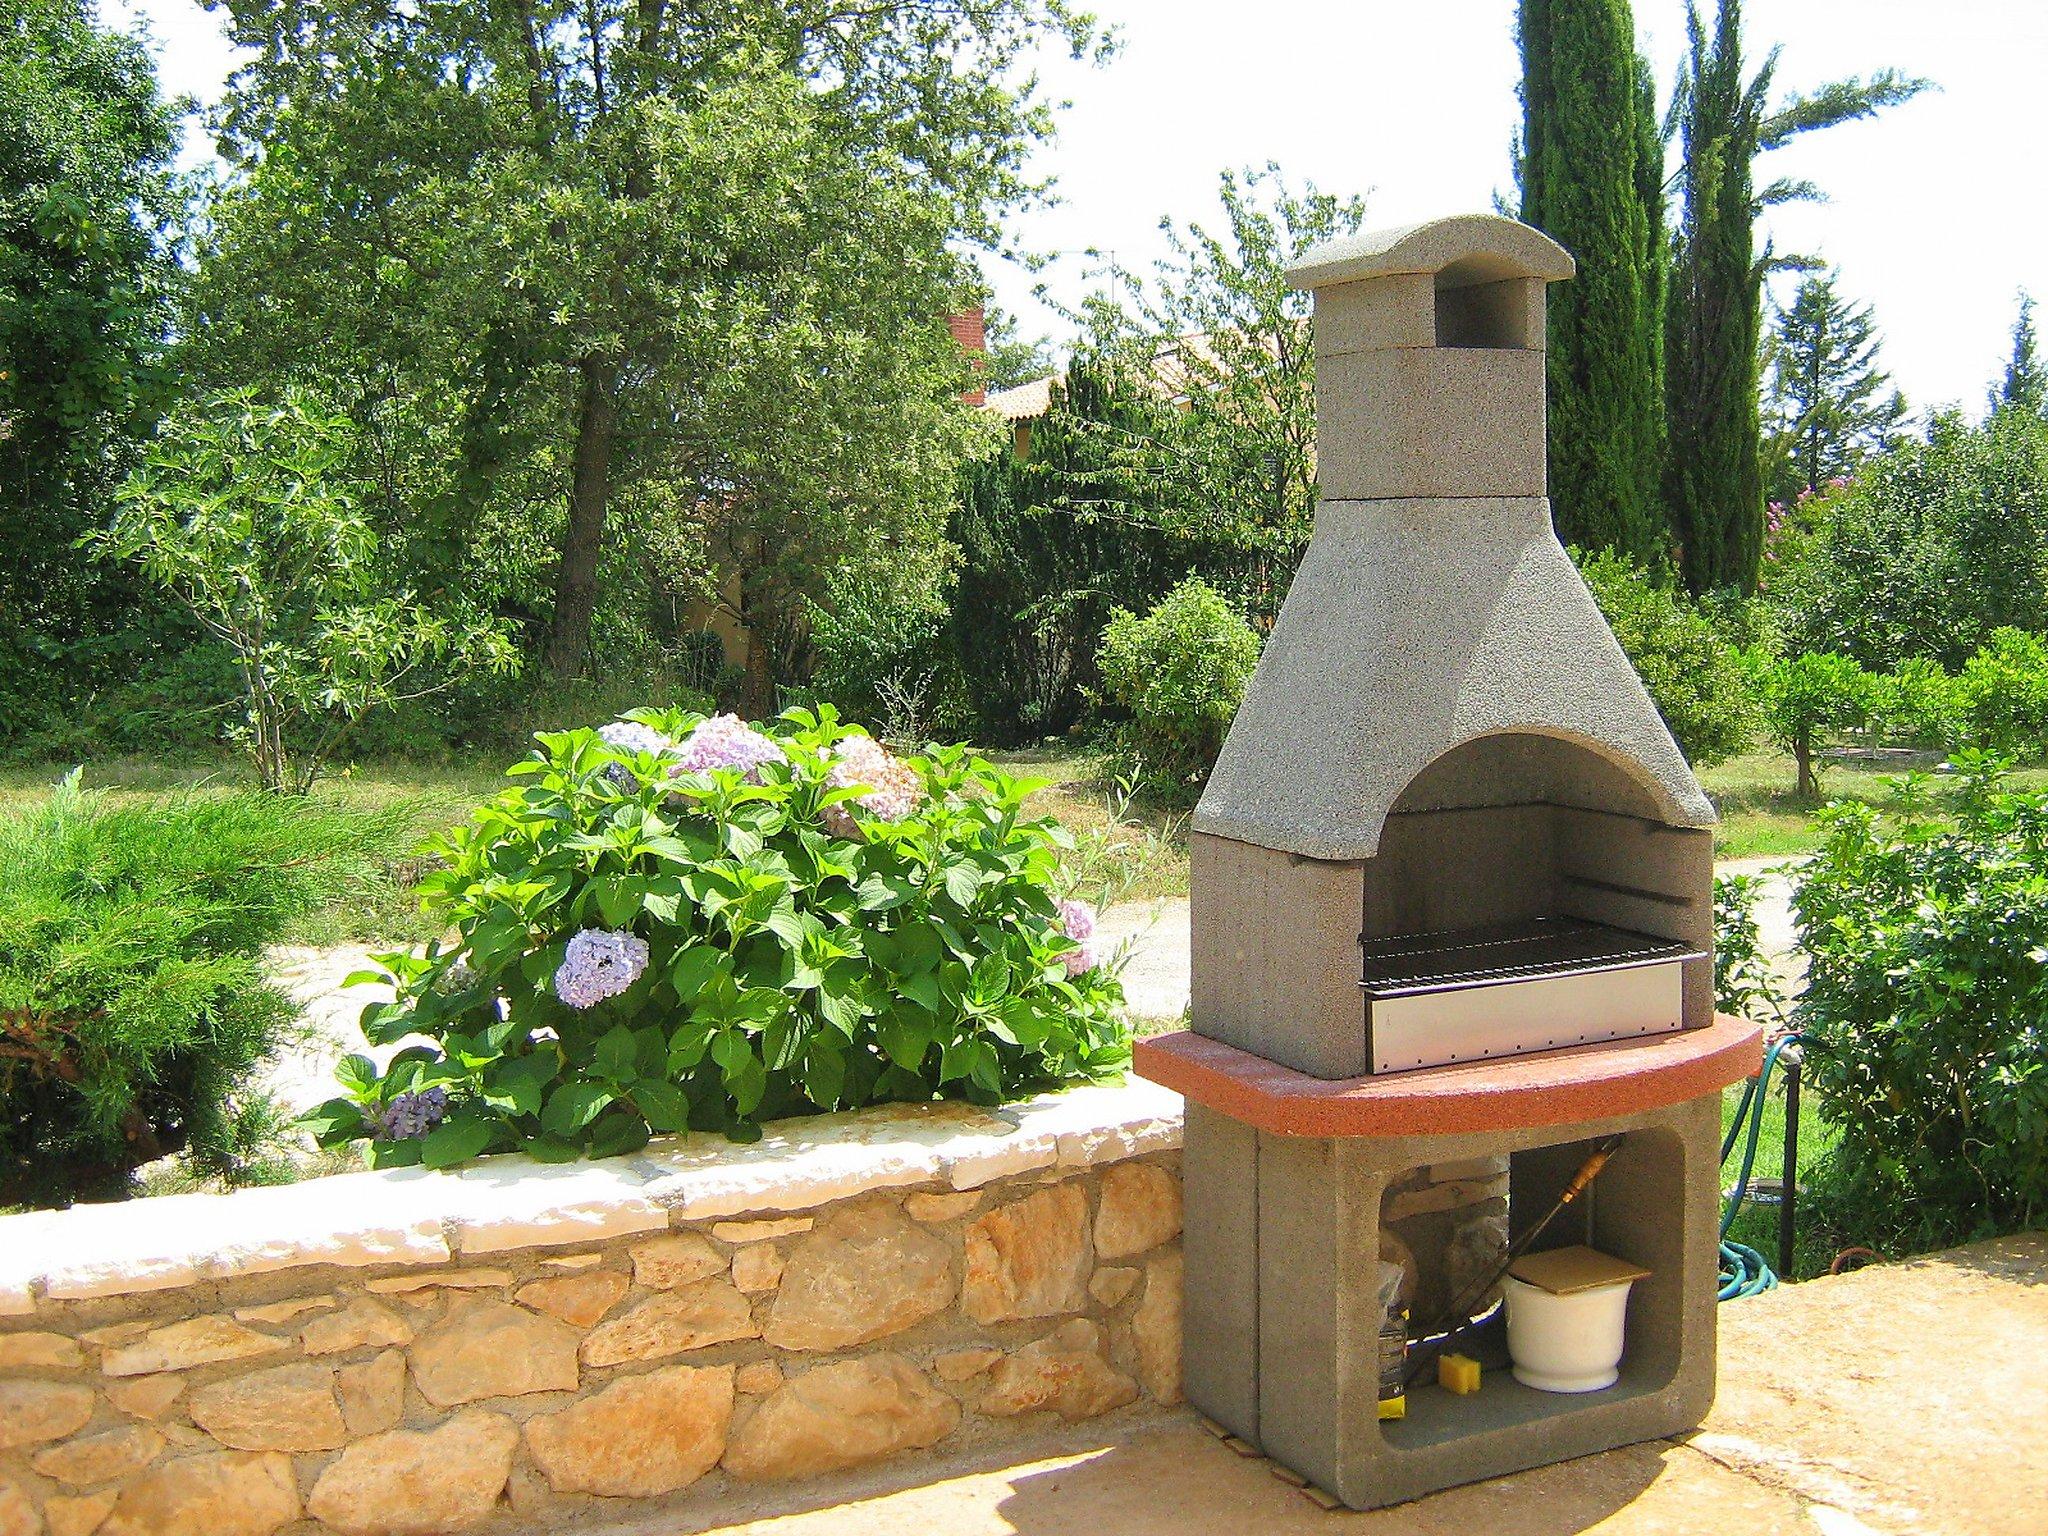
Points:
[(515, 1346), (1446, 1224)]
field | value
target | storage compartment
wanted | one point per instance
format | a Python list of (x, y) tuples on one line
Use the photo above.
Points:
[(1509, 988)]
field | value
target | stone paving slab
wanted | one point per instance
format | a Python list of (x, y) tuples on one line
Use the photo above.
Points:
[(1913, 1395), (1173, 1479), (1902, 1399)]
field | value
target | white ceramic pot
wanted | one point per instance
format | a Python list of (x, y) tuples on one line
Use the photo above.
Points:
[(1566, 1343)]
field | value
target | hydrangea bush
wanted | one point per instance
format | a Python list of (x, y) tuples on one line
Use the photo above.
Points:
[(680, 923)]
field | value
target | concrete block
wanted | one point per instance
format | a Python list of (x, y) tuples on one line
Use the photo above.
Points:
[(1220, 1248), (1273, 955), (1381, 312), (1318, 1204), (1430, 422)]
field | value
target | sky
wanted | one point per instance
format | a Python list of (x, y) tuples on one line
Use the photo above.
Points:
[(1937, 213)]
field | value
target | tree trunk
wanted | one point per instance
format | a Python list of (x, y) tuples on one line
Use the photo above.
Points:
[(1802, 757), (576, 580), (757, 696)]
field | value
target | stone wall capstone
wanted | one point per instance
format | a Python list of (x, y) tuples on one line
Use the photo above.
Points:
[(501, 1347)]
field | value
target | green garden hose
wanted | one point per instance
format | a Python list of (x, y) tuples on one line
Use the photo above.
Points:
[(1743, 1270)]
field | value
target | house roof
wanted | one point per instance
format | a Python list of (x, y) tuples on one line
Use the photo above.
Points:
[(1024, 402)]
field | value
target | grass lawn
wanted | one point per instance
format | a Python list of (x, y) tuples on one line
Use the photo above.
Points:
[(1762, 817), (1756, 1224), (1126, 851)]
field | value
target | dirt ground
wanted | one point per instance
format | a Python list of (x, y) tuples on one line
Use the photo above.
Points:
[(1902, 1399)]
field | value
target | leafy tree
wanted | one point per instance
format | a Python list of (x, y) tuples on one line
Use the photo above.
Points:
[(2025, 385), (87, 268), (238, 510), (1691, 670), (1217, 329), (1806, 697), (563, 260), (2002, 694), (1051, 542), (1828, 408), (1592, 173), (1917, 701), (1726, 124), (1929, 550)]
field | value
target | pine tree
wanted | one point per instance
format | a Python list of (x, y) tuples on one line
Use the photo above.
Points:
[(1714, 478), (2025, 386), (1591, 166), (1828, 406)]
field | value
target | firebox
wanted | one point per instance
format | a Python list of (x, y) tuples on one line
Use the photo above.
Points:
[(1452, 914)]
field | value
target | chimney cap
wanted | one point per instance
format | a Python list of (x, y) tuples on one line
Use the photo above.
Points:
[(1461, 250)]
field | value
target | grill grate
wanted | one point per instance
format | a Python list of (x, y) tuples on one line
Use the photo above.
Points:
[(1478, 957)]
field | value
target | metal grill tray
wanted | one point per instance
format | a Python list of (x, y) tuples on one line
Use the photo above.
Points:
[(1412, 964)]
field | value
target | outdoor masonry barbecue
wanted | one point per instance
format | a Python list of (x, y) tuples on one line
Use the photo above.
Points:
[(1452, 918)]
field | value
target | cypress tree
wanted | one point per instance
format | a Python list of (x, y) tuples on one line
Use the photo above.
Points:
[(1592, 179), (1715, 480)]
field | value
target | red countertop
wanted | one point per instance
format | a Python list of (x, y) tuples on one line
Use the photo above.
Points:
[(1579, 1083)]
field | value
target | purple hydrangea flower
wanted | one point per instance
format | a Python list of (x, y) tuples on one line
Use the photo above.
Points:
[(630, 736), (727, 741), (1077, 922), (891, 785), (599, 964), (412, 1115)]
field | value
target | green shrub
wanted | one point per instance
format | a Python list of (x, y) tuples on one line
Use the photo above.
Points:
[(1746, 984), (1178, 675), (132, 1006), (2002, 694), (1051, 542), (1693, 674), (1927, 1009), (879, 651), (683, 924)]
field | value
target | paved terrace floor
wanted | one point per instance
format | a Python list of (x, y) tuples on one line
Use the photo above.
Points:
[(1901, 1399)]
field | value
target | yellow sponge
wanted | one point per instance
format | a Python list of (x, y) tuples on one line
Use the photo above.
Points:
[(1457, 1373), (1394, 1407)]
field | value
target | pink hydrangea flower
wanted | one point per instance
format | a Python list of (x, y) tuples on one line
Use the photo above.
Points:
[(891, 786), (727, 741), (1077, 922)]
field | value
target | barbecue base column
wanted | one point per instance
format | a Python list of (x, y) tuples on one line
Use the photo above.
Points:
[(1317, 1322)]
